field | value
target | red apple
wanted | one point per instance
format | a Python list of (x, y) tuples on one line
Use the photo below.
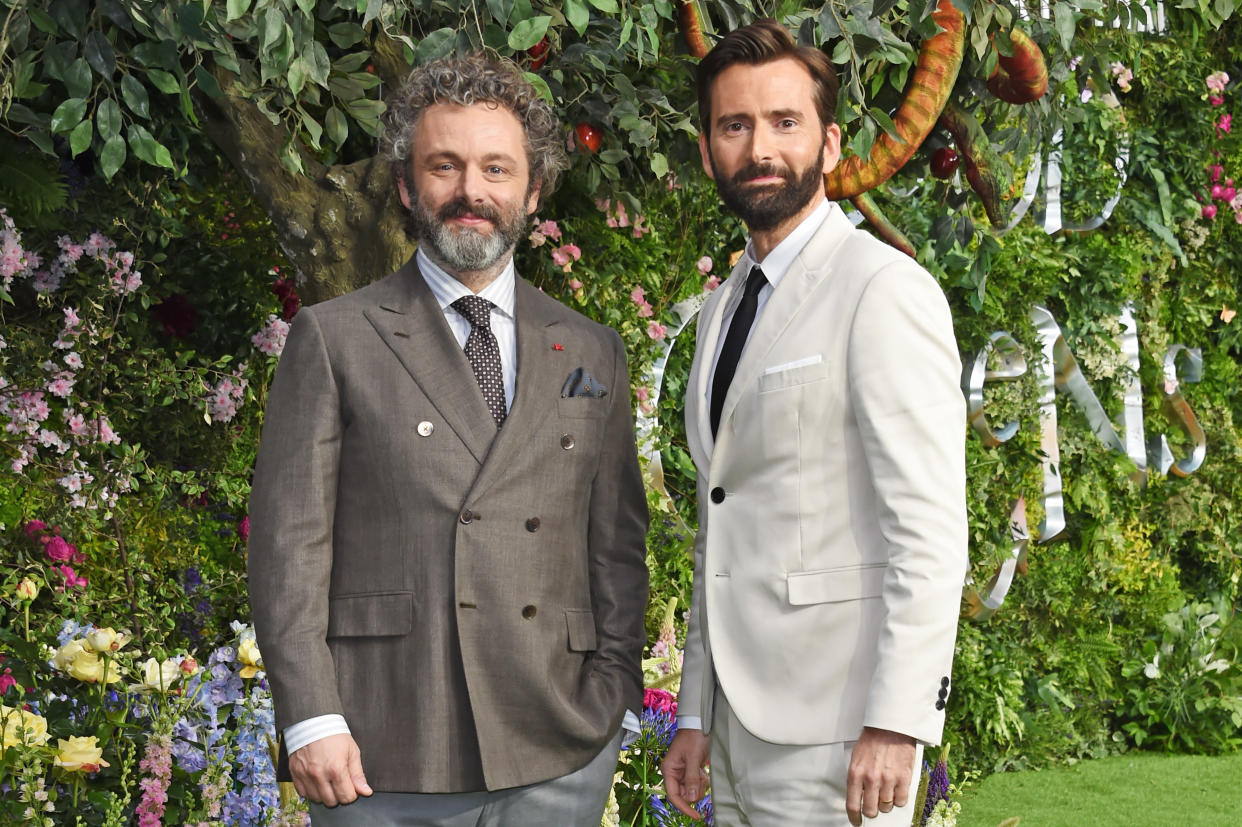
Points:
[(944, 162), (588, 136), (538, 55)]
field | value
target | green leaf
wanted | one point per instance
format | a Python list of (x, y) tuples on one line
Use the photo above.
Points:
[(541, 86), (297, 75), (166, 82), (613, 156), (78, 80), (235, 9), (108, 119), (68, 114), (528, 32), (313, 127), (578, 15), (100, 54), (273, 28), (42, 21), (659, 165), (80, 138), (885, 122), (320, 66), (336, 126), (351, 62), (146, 148), (606, 6), (346, 34), (135, 95), (500, 9), (437, 44), (1064, 18)]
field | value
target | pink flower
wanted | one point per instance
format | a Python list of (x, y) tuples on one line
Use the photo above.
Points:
[(705, 265), (271, 337), (645, 311), (58, 550), (7, 681), (638, 295), (1225, 123), (642, 393), (1217, 81), (565, 256), (1216, 100), (712, 283), (1217, 191), (1229, 194), (574, 284), (1122, 74), (660, 700), (34, 527), (1209, 211), (72, 579), (1215, 171), (657, 331), (639, 229), (243, 528), (549, 229)]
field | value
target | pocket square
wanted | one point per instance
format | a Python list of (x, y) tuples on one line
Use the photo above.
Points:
[(580, 384)]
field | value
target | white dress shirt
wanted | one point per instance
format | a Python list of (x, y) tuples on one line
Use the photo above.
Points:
[(446, 289), (775, 265)]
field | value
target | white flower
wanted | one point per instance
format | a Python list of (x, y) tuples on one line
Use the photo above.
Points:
[(1152, 670)]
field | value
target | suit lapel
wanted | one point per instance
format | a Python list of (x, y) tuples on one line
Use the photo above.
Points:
[(411, 323), (698, 416), (814, 264), (537, 372)]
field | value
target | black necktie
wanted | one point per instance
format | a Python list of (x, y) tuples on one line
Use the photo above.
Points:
[(734, 341), (483, 353)]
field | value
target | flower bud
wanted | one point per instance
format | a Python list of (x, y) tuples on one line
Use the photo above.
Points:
[(27, 589)]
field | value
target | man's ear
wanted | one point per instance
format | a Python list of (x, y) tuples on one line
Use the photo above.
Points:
[(532, 199), (705, 152), (404, 192), (832, 147)]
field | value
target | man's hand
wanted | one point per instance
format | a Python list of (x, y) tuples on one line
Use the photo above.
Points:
[(329, 771), (682, 767), (880, 771)]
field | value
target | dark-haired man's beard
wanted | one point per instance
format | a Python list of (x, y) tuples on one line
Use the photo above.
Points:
[(766, 207), (466, 249)]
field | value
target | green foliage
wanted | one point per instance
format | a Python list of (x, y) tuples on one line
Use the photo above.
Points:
[(1186, 692)]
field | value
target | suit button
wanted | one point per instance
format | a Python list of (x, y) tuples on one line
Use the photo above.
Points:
[(567, 441), (529, 612), (940, 704), (467, 517), (425, 428), (943, 693), (945, 681), (718, 495), (532, 525)]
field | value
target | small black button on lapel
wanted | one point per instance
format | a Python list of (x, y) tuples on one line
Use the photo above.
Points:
[(532, 525), (939, 705), (467, 517), (945, 681), (718, 495), (567, 441), (529, 612)]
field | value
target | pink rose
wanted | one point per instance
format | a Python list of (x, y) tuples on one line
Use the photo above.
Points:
[(1216, 170), (1217, 191), (705, 265), (1209, 211), (638, 295), (574, 284), (645, 311), (58, 550), (34, 527), (657, 331), (642, 393), (712, 283)]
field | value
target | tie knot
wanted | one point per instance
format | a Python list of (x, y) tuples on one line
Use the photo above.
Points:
[(477, 310), (755, 281)]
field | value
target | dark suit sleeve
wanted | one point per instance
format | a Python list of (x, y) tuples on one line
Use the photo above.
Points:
[(617, 545), (292, 505)]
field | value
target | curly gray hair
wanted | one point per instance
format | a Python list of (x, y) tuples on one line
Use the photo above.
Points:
[(468, 80)]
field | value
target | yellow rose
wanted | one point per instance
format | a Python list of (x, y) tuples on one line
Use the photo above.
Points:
[(21, 727), (156, 676), (89, 667), (79, 754), (27, 589), (66, 654), (248, 654)]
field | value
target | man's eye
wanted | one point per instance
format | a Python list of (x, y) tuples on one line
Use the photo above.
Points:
[(736, 126), (496, 170), (788, 123)]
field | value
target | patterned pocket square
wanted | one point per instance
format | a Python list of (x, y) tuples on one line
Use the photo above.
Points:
[(580, 384)]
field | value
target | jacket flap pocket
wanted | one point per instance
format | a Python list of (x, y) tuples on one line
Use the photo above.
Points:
[(836, 585), (581, 623), (371, 615)]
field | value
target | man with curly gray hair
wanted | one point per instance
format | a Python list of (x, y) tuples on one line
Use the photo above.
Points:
[(449, 596)]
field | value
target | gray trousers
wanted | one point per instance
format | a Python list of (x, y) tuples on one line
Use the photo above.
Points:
[(574, 800)]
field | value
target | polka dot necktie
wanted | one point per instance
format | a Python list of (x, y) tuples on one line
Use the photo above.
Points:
[(484, 353)]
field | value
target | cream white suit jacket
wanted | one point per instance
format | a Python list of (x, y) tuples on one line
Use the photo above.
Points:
[(831, 551)]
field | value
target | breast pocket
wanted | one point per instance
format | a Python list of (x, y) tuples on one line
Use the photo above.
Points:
[(784, 400)]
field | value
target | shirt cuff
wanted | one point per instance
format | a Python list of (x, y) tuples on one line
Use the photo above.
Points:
[(632, 728), (689, 722), (313, 729)]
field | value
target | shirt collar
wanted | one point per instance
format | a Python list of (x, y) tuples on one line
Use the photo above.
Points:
[(778, 262), (447, 289)]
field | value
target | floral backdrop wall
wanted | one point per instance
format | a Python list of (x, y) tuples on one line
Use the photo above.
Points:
[(149, 275)]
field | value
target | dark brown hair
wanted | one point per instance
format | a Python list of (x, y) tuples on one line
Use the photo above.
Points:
[(763, 42)]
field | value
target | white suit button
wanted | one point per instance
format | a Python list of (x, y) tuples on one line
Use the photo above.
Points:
[(425, 428)]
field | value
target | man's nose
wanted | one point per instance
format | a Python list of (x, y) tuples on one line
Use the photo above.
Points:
[(760, 144), (471, 185)]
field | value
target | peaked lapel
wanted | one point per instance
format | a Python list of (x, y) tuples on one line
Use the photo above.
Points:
[(698, 419), (409, 320), (813, 265), (536, 373)]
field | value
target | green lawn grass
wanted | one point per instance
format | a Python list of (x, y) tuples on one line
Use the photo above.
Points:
[(1132, 790)]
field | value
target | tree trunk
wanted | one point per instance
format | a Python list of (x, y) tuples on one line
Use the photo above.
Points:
[(340, 226)]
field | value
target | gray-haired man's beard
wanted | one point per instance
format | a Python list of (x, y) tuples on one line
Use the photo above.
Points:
[(467, 249), (765, 208)]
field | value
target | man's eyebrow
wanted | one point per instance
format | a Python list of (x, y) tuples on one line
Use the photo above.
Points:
[(775, 114), (450, 155)]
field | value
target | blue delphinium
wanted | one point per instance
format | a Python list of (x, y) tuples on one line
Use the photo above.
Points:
[(937, 787), (657, 730), (258, 799)]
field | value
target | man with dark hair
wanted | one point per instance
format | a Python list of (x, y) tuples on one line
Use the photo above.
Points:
[(447, 559), (828, 431)]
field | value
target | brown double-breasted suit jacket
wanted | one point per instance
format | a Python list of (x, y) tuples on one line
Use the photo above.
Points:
[(471, 600)]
